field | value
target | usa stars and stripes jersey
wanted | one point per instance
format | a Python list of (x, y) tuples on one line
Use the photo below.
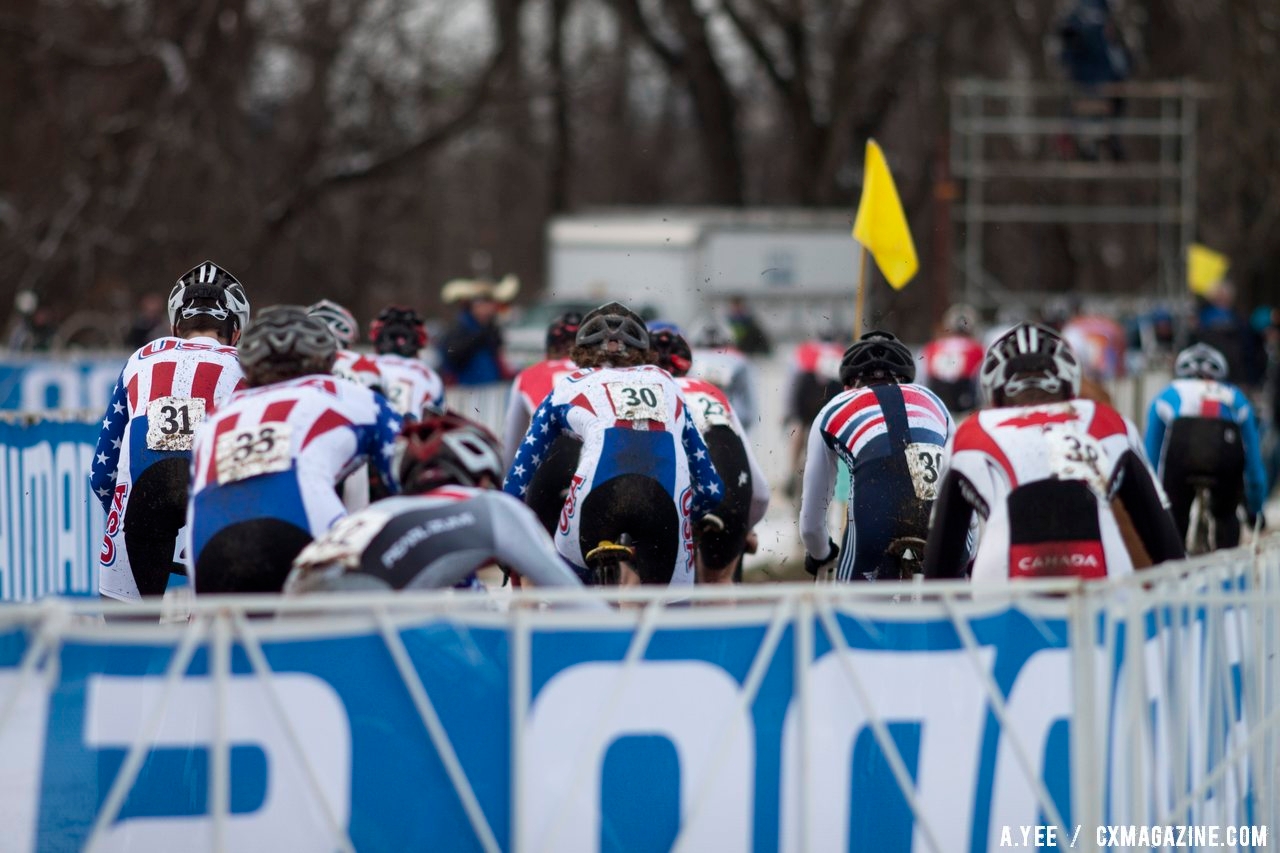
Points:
[(165, 390), (409, 385), (710, 409), (1041, 478), (1205, 398), (279, 452), (530, 388), (891, 438), (631, 420), (360, 368)]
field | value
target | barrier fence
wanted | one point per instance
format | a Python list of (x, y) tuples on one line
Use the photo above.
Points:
[(794, 718)]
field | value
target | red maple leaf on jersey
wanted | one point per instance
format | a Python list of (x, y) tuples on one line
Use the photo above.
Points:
[(1039, 419)]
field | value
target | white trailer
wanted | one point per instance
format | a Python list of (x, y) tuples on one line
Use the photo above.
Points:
[(795, 267)]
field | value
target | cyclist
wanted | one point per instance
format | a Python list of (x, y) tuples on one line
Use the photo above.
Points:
[(722, 542), (398, 334), (718, 361), (266, 464), (449, 522), (950, 362), (141, 470), (1061, 483), (1202, 428), (890, 434), (348, 364), (644, 471), (814, 379), (550, 485)]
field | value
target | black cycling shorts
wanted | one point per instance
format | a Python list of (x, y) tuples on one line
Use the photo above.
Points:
[(720, 548), (550, 483), (157, 510), (641, 508), (249, 556), (1208, 452)]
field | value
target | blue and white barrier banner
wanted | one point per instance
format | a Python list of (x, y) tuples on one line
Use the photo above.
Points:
[(50, 522), (48, 383), (748, 729)]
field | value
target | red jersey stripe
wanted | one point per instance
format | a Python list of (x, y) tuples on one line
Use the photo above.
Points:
[(205, 382), (278, 411), (1106, 422), (848, 410), (133, 393), (327, 422), (162, 380), (224, 426), (973, 436)]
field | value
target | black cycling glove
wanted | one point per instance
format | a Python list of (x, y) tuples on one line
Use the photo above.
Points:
[(813, 566)]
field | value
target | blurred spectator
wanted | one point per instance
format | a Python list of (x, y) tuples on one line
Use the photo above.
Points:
[(33, 328), (471, 350), (1222, 327), (750, 337), (149, 323), (1093, 54)]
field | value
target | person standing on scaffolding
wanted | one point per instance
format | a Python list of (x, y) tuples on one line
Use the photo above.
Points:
[(1094, 56)]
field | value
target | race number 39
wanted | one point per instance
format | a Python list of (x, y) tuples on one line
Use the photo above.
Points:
[(262, 449), (924, 461), (635, 401), (172, 422)]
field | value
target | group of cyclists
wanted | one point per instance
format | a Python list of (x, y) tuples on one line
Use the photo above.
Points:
[(266, 455)]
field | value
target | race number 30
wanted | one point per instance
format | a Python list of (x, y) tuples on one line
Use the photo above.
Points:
[(635, 401)]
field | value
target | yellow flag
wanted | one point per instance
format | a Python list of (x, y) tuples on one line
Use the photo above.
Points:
[(1205, 268), (881, 226)]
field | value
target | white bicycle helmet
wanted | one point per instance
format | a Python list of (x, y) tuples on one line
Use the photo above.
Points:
[(208, 281), (341, 322), (1029, 356), (1201, 361)]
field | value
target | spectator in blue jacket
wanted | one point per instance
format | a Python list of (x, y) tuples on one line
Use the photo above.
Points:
[(471, 350)]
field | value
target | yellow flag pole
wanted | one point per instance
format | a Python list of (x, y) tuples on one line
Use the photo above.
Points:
[(862, 290)]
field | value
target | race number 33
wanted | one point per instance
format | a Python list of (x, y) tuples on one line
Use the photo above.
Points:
[(635, 401), (172, 422), (262, 449)]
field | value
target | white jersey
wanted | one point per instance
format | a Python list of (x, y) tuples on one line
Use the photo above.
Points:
[(729, 370), (1006, 459), (166, 389), (409, 385), (631, 420), (279, 452)]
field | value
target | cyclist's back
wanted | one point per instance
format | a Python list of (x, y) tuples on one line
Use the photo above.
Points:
[(141, 470), (890, 434), (450, 523), (643, 470), (951, 361), (398, 335), (268, 463), (1202, 432), (1042, 476), (717, 360)]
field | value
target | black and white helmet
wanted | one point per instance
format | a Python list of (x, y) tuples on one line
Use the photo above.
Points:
[(209, 282), (1029, 356), (341, 322), (1201, 361), (443, 449), (283, 343), (613, 322)]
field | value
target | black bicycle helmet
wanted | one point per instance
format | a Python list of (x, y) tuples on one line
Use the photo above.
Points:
[(284, 343), (208, 289), (562, 332), (612, 322), (877, 357), (399, 330), (674, 354)]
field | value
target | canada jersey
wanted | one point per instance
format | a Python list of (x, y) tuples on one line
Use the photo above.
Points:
[(1205, 398), (165, 390), (631, 420), (891, 438), (1012, 461), (279, 451), (435, 540), (530, 388)]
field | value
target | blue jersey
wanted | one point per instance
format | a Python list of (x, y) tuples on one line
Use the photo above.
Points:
[(1205, 398)]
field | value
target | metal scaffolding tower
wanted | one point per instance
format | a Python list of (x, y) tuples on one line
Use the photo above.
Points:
[(1019, 147)]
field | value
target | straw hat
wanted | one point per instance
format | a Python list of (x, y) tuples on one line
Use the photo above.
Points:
[(466, 289)]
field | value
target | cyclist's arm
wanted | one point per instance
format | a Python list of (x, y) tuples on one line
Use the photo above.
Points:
[(1255, 472), (106, 457), (544, 428), (515, 425), (759, 485), (946, 553), (1136, 489), (526, 548), (378, 441), (708, 488), (1156, 426), (815, 497)]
